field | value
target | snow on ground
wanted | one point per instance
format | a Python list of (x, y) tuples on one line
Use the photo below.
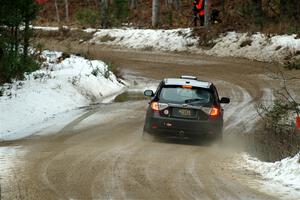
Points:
[(54, 94), (46, 28), (165, 40), (51, 28), (241, 115), (281, 177), (256, 46)]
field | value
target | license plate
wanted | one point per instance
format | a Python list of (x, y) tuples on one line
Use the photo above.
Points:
[(185, 112)]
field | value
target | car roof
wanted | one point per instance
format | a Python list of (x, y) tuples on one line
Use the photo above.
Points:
[(183, 81)]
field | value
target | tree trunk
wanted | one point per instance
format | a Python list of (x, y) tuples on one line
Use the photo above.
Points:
[(12, 40), (96, 2), (282, 9), (223, 3), (26, 37), (26, 31), (258, 13), (16, 29), (258, 4), (176, 4), (57, 11), (67, 10), (155, 13), (258, 8), (132, 4), (207, 13), (297, 17), (104, 13)]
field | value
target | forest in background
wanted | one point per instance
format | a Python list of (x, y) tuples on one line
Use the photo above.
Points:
[(270, 16)]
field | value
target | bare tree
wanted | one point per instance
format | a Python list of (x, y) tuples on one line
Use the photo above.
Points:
[(104, 13), (132, 4), (57, 11), (155, 12), (207, 13), (258, 6), (282, 8), (258, 14), (177, 4), (67, 10), (96, 2)]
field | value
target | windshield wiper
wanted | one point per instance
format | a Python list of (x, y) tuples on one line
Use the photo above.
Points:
[(193, 100)]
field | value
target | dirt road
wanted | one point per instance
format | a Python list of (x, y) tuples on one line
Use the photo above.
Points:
[(109, 160)]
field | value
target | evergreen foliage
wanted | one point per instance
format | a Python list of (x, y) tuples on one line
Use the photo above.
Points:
[(15, 18)]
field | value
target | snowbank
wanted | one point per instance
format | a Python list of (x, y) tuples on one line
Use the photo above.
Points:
[(53, 94), (257, 46), (165, 40), (285, 172)]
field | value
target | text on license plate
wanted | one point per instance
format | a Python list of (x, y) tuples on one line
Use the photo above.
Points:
[(185, 112)]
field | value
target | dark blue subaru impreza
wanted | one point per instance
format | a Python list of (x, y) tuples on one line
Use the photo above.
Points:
[(184, 107)]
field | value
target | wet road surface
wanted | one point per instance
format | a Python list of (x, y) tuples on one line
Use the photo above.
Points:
[(109, 159)]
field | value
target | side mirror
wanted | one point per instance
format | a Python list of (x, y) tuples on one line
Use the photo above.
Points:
[(225, 100), (149, 93)]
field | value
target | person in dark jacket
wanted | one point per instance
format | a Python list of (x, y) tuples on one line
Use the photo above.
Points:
[(215, 16)]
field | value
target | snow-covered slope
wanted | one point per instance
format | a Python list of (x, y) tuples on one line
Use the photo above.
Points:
[(166, 40), (256, 46), (53, 94), (281, 175)]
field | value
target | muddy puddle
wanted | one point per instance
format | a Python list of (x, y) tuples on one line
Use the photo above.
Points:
[(130, 96)]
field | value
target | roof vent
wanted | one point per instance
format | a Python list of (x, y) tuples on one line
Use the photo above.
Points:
[(188, 77)]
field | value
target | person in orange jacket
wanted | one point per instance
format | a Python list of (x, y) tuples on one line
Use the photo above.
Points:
[(199, 11)]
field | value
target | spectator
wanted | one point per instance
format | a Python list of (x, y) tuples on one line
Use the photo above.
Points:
[(199, 11)]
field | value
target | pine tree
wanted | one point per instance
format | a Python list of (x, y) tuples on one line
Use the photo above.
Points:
[(13, 15)]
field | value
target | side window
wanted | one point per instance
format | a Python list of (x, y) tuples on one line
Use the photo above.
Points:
[(216, 95), (158, 90)]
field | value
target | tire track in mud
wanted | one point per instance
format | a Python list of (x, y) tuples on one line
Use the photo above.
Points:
[(83, 171)]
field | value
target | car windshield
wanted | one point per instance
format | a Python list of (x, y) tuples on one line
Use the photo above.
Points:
[(192, 96)]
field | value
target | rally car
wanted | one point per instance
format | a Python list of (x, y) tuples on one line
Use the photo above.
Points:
[(184, 107)]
